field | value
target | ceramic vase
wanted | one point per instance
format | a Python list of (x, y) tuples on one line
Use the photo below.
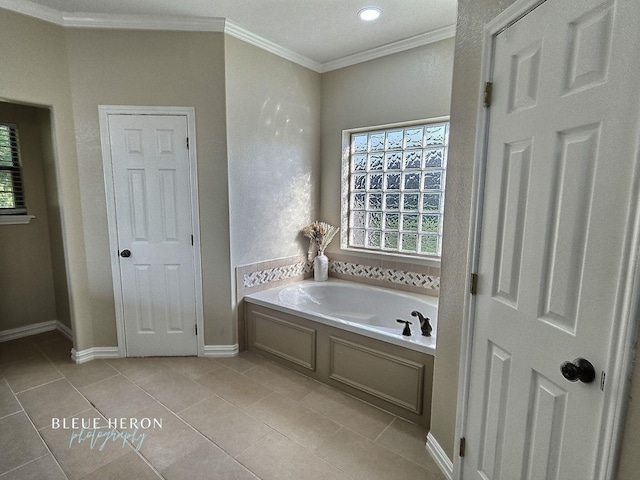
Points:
[(321, 268)]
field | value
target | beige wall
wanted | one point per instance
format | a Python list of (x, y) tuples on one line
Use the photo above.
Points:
[(35, 71), (472, 16), (27, 292), (411, 85), (125, 67), (273, 132)]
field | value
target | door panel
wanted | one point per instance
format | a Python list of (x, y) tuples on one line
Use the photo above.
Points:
[(560, 163), (153, 207)]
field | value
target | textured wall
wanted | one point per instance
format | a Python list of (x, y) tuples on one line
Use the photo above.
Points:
[(472, 16), (125, 67), (35, 71), (273, 131), (411, 85), (27, 293)]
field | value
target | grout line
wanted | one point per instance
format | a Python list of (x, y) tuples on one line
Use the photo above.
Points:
[(26, 414), (34, 460)]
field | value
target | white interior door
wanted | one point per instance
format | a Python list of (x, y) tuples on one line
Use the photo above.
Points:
[(560, 166), (151, 181)]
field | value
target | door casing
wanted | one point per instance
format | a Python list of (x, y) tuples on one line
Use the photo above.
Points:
[(620, 365), (188, 112)]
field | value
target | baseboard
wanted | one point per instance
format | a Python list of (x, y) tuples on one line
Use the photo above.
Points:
[(64, 330), (221, 350), (439, 456), (34, 329), (94, 353)]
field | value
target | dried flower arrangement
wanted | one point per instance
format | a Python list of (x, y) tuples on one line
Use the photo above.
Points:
[(320, 235)]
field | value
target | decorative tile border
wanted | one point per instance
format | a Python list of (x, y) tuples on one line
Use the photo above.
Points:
[(275, 274), (402, 277)]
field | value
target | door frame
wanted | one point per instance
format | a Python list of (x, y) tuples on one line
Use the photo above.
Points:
[(104, 112), (624, 330)]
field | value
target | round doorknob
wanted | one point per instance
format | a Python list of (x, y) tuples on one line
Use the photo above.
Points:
[(125, 253), (580, 369)]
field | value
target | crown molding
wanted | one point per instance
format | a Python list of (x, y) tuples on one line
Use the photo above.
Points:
[(143, 22), (33, 10), (258, 41), (215, 24), (391, 48)]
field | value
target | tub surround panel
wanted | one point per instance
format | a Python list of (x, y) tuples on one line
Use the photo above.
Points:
[(378, 373), (284, 339), (385, 375)]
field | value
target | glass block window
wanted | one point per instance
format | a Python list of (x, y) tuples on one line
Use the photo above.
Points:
[(395, 191), (11, 191)]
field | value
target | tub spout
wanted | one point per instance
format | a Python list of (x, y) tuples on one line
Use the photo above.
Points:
[(425, 326), (407, 330)]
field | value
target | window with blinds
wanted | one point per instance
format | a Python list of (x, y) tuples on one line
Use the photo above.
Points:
[(11, 188)]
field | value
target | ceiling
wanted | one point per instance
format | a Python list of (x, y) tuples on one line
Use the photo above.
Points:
[(322, 31)]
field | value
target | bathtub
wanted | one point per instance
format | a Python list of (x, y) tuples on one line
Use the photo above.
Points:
[(358, 308), (345, 335)]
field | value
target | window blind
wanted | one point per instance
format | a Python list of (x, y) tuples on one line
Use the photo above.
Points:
[(11, 185)]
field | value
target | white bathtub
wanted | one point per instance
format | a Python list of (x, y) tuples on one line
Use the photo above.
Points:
[(358, 308)]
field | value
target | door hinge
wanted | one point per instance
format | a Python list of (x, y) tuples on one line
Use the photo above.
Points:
[(488, 90), (602, 378), (192, 240), (196, 329), (463, 446), (474, 284), (187, 143)]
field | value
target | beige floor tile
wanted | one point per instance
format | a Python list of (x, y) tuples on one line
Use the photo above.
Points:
[(43, 468), (207, 462), (137, 369), (29, 372), (174, 390), (165, 446), (192, 367), (362, 459), (16, 350), (348, 411), (243, 361), (281, 380), (225, 425), (409, 441), (80, 451), (117, 397), (129, 466), (297, 422), (234, 387), (280, 424), (56, 399), (279, 458), (84, 374), (55, 347), (19, 442), (8, 402), (45, 337)]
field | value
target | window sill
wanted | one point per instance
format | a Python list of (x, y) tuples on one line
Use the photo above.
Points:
[(15, 219), (381, 254)]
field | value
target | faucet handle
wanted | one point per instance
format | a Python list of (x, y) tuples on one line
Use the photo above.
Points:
[(407, 330)]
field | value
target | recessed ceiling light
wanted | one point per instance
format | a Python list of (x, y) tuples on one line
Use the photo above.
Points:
[(369, 14)]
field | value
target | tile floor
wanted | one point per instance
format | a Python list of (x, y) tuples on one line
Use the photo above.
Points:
[(232, 419)]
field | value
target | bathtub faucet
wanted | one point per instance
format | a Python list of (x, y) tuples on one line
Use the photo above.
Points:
[(407, 330), (425, 326)]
